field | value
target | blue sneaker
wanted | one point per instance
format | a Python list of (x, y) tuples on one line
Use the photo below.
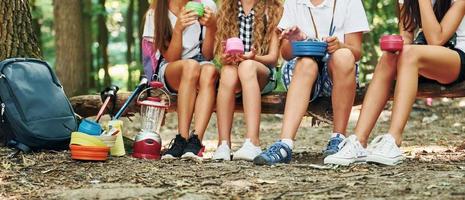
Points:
[(333, 145), (273, 155)]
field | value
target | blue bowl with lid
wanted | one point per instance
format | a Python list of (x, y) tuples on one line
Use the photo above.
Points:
[(309, 48)]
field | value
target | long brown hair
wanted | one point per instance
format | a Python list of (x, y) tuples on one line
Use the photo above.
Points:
[(410, 13), (266, 11), (163, 29)]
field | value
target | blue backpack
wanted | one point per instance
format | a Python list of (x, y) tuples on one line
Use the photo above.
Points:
[(35, 112)]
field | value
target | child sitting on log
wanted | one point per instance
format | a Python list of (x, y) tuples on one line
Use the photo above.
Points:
[(251, 72), (433, 55), (339, 23)]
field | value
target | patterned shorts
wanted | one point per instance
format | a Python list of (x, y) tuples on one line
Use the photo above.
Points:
[(323, 85)]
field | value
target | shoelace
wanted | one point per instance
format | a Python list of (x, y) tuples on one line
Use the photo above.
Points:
[(375, 143), (173, 144), (333, 143), (345, 142), (274, 152)]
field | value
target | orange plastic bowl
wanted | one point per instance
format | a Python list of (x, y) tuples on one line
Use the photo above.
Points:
[(90, 153)]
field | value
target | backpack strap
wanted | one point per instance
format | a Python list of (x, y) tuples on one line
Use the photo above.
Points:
[(19, 146)]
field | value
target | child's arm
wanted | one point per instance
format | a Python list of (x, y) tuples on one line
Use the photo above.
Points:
[(407, 36), (438, 33), (352, 41), (269, 59), (209, 21), (287, 36), (174, 51)]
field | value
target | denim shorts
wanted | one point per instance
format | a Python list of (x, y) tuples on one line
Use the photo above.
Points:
[(164, 64), (323, 85)]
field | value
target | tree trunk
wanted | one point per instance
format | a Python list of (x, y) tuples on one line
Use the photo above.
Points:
[(130, 41), (69, 42), (103, 42), (17, 38), (36, 25), (143, 6), (89, 79)]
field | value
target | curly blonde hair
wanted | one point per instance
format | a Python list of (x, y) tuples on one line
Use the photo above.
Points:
[(269, 10)]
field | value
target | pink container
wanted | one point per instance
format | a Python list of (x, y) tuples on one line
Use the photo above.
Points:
[(391, 43), (234, 46)]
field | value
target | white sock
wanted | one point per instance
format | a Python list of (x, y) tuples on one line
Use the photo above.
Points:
[(288, 142), (224, 142), (340, 135)]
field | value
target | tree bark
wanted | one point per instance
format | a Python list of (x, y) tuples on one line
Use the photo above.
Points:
[(17, 38), (69, 42), (36, 25), (103, 42), (143, 6), (89, 79), (130, 41)]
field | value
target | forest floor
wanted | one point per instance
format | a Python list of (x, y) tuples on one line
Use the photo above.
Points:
[(433, 143)]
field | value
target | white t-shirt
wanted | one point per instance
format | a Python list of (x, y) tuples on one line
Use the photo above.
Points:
[(349, 17), (190, 36), (460, 30)]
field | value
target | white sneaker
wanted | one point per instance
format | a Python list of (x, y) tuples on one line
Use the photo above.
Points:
[(247, 152), (384, 150), (351, 151), (223, 152)]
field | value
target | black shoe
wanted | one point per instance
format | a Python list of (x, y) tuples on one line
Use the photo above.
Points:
[(176, 148), (194, 148)]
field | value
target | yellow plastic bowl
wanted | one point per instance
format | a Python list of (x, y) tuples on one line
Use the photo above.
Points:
[(108, 140), (83, 139)]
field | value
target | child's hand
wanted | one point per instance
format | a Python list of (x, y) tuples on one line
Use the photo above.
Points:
[(228, 59), (293, 34), (249, 55), (208, 19), (185, 19), (333, 44)]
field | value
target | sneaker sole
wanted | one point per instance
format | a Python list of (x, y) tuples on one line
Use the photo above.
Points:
[(373, 158), (168, 157), (222, 158), (191, 156), (242, 158), (343, 162)]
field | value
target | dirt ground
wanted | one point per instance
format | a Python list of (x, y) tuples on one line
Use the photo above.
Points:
[(433, 144)]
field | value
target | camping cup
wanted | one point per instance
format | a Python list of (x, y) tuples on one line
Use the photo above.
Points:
[(234, 46), (309, 48), (391, 43), (196, 6), (90, 127)]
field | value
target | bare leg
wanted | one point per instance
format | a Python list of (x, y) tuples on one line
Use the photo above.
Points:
[(298, 96), (434, 62), (229, 85), (376, 97), (205, 99), (183, 76), (342, 71), (253, 76)]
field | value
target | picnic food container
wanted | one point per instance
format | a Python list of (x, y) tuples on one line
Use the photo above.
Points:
[(148, 141), (309, 48), (90, 127), (83, 139), (196, 6), (90, 153), (234, 46), (391, 43), (109, 140), (118, 148)]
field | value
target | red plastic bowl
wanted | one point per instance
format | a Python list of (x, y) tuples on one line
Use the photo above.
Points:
[(147, 149), (89, 153), (391, 43)]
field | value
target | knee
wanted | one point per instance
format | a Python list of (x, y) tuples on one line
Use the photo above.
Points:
[(306, 68), (247, 71), (387, 65), (190, 70), (408, 57), (342, 63), (229, 78), (208, 75)]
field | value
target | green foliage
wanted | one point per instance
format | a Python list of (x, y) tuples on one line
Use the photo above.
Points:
[(381, 16)]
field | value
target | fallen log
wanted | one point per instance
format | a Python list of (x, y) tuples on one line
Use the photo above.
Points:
[(88, 105)]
